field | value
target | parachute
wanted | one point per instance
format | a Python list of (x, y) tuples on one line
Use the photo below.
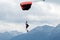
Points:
[(25, 5)]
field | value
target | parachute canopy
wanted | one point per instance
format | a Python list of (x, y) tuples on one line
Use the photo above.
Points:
[(25, 5)]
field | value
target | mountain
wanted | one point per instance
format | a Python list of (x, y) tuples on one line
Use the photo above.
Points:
[(8, 35), (55, 35), (44, 28), (39, 33)]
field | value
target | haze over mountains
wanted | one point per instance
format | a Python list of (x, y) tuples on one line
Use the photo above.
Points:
[(9, 35), (44, 32), (41, 33)]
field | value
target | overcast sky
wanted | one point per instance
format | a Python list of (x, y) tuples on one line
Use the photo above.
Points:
[(41, 13)]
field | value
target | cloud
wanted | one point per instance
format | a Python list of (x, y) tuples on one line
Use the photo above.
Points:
[(40, 13), (45, 13), (31, 0), (7, 27), (54, 1), (10, 12)]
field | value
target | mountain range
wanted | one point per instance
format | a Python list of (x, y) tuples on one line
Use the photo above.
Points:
[(9, 35), (41, 33), (44, 32)]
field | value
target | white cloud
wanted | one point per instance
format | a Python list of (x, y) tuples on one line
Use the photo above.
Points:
[(31, 0), (7, 27), (45, 13), (40, 13)]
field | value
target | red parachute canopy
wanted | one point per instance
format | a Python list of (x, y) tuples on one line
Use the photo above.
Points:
[(25, 5)]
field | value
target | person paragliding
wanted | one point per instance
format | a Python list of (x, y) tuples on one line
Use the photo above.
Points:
[(26, 6), (27, 25)]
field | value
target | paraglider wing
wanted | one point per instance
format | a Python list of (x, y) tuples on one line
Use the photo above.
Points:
[(25, 5)]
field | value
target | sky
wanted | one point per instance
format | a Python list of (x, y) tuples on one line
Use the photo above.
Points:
[(12, 17)]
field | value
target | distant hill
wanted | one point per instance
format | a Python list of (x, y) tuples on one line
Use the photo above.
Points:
[(55, 35), (8, 35), (39, 33)]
